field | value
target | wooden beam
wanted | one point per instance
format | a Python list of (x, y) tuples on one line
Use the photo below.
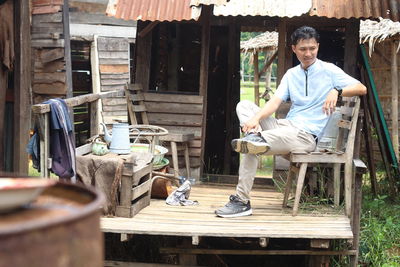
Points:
[(195, 251), (67, 49), (281, 49), (148, 28), (22, 83), (395, 99), (143, 59), (351, 47), (204, 65), (269, 62), (256, 79)]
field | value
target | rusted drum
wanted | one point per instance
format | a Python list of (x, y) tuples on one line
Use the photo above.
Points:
[(60, 229)]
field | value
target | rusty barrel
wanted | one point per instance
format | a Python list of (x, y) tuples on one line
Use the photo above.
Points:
[(60, 229)]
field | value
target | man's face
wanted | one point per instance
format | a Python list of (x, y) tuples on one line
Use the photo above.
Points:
[(306, 51)]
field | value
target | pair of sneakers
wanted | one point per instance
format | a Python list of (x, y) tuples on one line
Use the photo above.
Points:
[(252, 143)]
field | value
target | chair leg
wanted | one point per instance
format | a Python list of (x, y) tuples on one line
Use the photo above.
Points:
[(299, 187), (348, 169), (288, 187), (336, 184), (187, 159), (174, 152)]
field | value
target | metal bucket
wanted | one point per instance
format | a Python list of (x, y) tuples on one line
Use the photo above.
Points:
[(60, 229)]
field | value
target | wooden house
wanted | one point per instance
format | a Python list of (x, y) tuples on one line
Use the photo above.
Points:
[(193, 47)]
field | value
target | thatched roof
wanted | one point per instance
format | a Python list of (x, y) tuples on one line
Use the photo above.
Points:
[(264, 41), (372, 31)]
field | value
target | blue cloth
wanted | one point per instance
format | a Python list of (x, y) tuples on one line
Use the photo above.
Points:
[(307, 90)]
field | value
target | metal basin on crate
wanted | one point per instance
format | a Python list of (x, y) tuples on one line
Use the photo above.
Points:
[(159, 151)]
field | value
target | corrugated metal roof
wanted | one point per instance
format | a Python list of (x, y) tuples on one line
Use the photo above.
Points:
[(271, 8), (389, 9), (208, 2), (169, 10), (153, 10)]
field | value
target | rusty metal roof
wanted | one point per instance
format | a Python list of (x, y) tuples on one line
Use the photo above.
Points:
[(153, 10), (169, 10)]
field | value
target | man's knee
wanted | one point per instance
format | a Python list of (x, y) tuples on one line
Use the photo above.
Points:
[(244, 105)]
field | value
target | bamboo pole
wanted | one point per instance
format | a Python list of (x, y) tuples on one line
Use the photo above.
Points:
[(395, 101)]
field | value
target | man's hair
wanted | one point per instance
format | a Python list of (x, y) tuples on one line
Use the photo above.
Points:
[(304, 33)]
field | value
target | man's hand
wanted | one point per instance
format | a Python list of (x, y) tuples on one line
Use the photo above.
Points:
[(252, 124), (330, 102)]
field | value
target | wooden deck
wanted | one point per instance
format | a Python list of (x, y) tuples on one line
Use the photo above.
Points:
[(268, 219)]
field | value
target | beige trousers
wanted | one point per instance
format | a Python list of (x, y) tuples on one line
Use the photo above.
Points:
[(281, 135)]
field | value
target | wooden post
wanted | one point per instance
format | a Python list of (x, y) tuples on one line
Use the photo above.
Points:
[(281, 49), (256, 79), (95, 107), (351, 46), (395, 100), (3, 91), (143, 58), (67, 51), (22, 84), (203, 81)]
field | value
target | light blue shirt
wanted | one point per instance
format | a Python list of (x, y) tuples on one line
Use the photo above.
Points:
[(307, 90)]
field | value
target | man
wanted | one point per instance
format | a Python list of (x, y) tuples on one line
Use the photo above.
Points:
[(313, 88)]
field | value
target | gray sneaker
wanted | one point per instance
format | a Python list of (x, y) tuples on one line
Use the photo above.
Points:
[(234, 208), (252, 143)]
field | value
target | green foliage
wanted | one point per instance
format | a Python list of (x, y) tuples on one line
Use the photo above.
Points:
[(380, 232)]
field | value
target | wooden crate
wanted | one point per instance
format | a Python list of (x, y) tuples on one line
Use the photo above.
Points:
[(134, 192)]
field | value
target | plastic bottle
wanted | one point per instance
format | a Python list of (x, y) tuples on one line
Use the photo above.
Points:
[(328, 139)]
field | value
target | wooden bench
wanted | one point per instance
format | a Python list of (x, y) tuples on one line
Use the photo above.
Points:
[(299, 161)]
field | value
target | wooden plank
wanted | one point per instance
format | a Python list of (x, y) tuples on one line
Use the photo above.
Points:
[(56, 88), (115, 76), (143, 58), (114, 101), (58, 65), (114, 69), (254, 252), (114, 54), (99, 18), (114, 82), (82, 30), (176, 108), (114, 107), (173, 98), (67, 50), (318, 158), (114, 61), (46, 18), (139, 190), (112, 44), (175, 119), (282, 29), (49, 78), (47, 43), (139, 264), (395, 98), (49, 55), (45, 9)]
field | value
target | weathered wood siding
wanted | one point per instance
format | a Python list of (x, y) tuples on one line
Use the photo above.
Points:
[(380, 62), (49, 72), (179, 113), (113, 59)]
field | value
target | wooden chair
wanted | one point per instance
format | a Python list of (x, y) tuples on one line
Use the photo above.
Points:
[(178, 141), (299, 161)]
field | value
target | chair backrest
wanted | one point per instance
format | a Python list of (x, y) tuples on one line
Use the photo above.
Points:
[(137, 111), (346, 127)]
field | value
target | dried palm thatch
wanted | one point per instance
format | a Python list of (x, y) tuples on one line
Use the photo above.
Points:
[(373, 31), (262, 42)]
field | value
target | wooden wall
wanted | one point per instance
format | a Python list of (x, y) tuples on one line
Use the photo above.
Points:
[(49, 79), (380, 62)]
